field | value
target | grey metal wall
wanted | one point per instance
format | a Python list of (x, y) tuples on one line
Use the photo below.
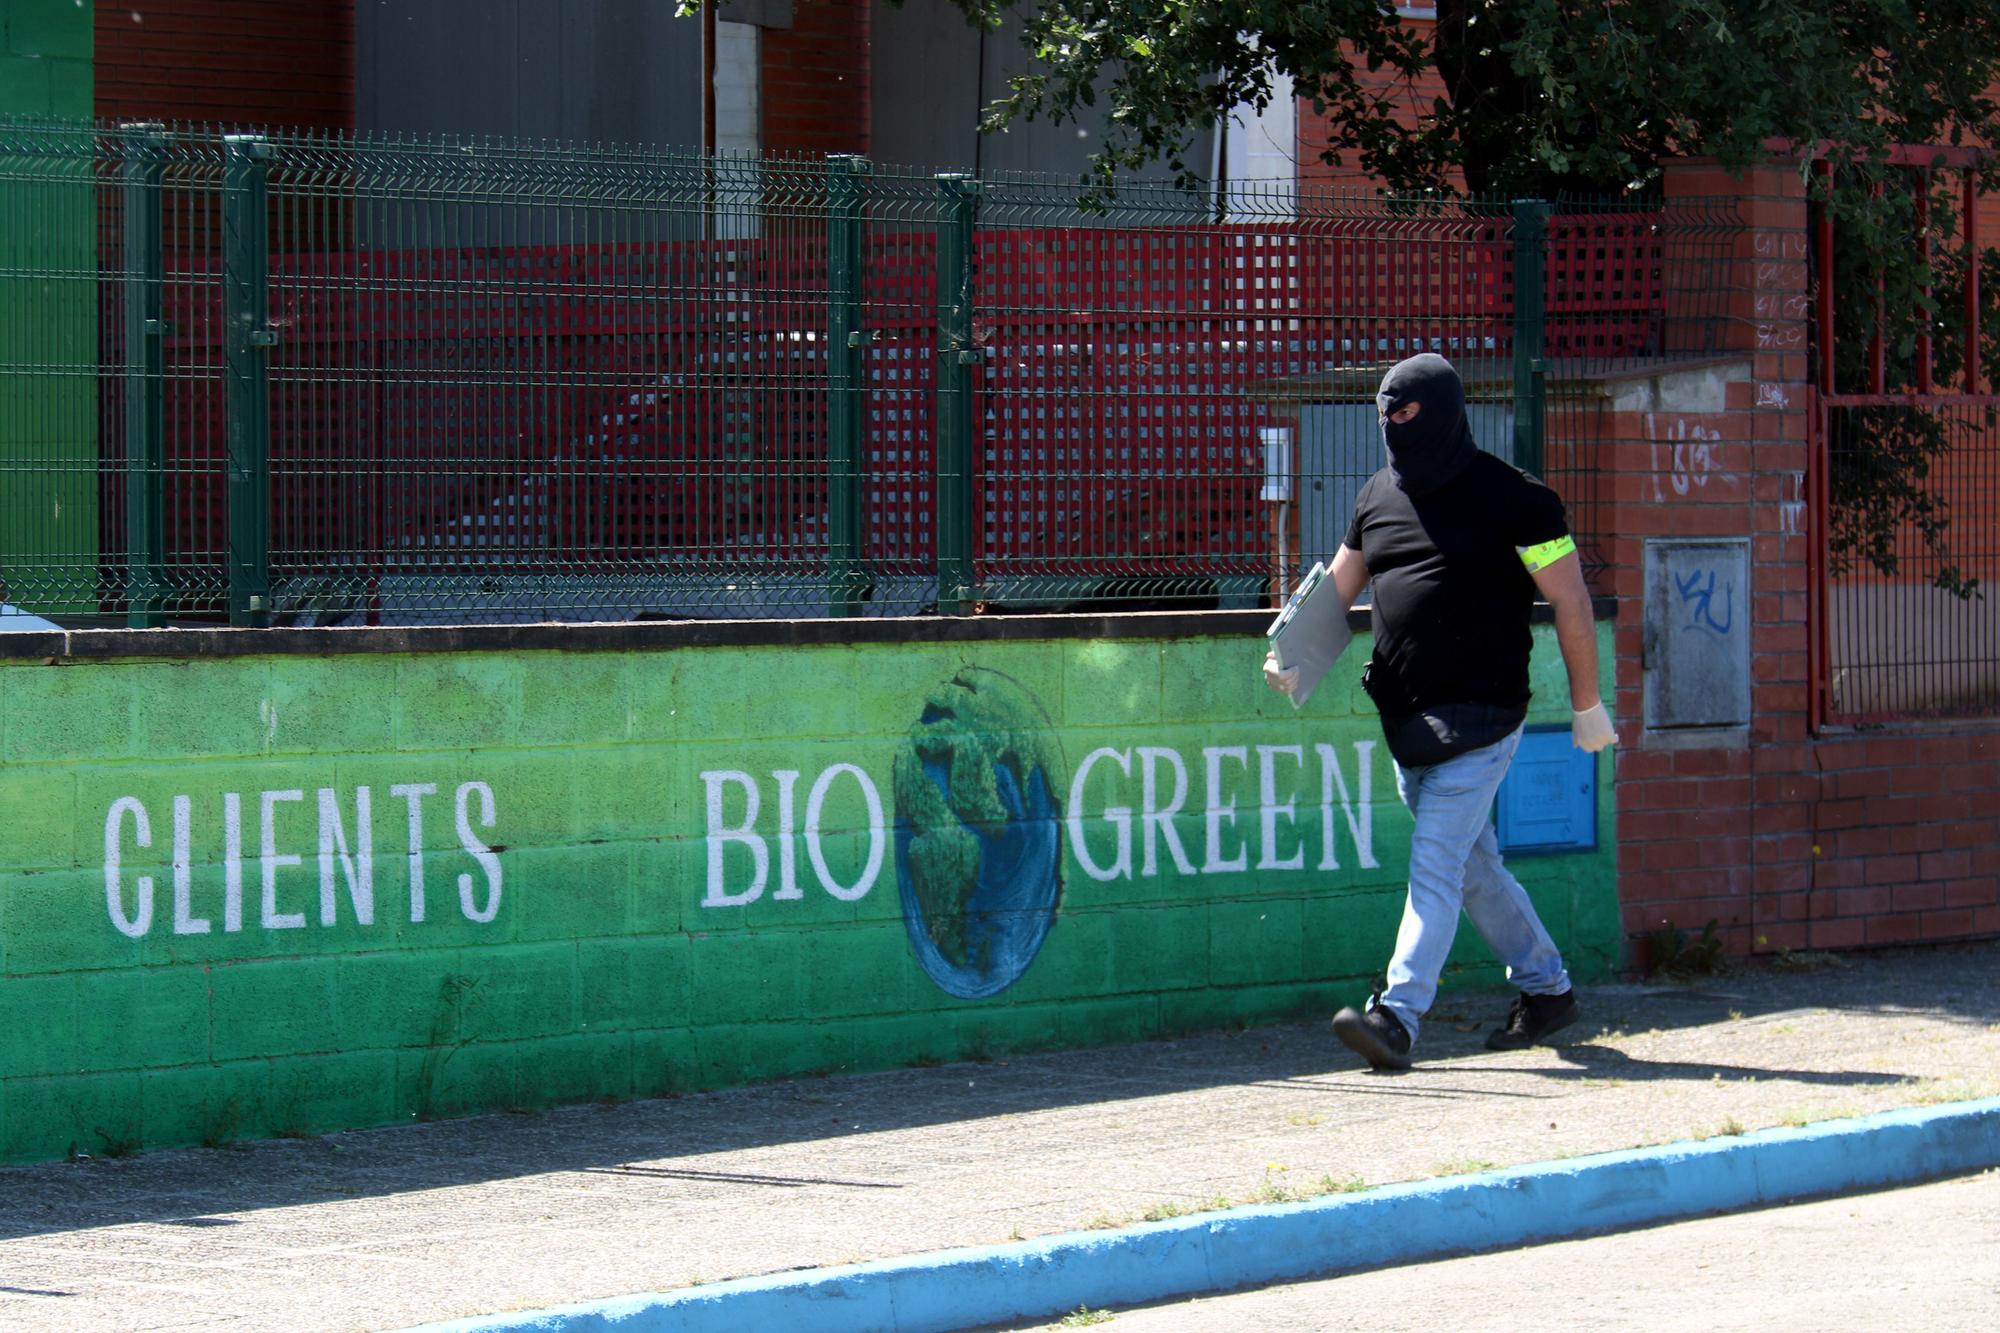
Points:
[(925, 78), (586, 71), (625, 71), (932, 73)]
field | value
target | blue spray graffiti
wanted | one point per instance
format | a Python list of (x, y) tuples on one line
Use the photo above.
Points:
[(1699, 598)]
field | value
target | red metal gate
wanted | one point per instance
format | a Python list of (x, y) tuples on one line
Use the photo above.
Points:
[(1904, 496)]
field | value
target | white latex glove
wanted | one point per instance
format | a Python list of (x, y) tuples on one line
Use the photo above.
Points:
[(1282, 679), (1591, 730)]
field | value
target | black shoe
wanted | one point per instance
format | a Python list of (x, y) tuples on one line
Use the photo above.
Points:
[(1533, 1018), (1374, 1034)]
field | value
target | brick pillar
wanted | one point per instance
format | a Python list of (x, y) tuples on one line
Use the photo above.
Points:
[(1711, 442), (815, 80)]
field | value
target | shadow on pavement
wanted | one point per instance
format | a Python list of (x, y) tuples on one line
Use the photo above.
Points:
[(667, 1138), (1605, 1061)]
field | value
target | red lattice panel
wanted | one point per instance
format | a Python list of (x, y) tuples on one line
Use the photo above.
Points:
[(1606, 297), (583, 407)]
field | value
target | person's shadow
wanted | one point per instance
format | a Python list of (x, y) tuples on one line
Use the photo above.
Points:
[(1588, 1060)]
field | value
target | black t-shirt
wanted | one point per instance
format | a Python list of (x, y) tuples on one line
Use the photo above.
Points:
[(1451, 591)]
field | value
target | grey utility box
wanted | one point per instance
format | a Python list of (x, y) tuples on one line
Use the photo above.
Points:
[(1697, 634)]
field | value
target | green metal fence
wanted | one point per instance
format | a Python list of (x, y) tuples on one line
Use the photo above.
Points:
[(294, 379)]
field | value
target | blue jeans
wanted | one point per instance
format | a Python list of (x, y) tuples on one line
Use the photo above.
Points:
[(1455, 862)]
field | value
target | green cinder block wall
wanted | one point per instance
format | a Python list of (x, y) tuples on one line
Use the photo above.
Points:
[(284, 894), (46, 49), (48, 316)]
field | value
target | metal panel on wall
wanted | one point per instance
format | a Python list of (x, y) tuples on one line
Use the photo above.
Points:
[(1548, 802), (1697, 633)]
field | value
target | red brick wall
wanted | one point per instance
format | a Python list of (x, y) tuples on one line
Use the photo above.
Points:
[(233, 62), (1413, 98), (1838, 839), (814, 80)]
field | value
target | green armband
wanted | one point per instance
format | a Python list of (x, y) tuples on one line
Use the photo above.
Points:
[(1538, 558)]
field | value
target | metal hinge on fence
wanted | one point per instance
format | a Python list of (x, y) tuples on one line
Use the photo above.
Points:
[(958, 206), (847, 575), (245, 278), (1531, 228), (141, 174)]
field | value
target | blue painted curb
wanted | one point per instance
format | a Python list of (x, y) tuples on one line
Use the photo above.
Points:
[(1241, 1247)]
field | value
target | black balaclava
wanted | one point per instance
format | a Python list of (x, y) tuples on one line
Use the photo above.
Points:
[(1428, 452)]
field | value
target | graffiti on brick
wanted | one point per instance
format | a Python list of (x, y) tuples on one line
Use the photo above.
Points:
[(1698, 598), (1693, 456)]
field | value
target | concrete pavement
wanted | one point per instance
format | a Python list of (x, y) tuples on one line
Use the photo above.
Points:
[(398, 1227)]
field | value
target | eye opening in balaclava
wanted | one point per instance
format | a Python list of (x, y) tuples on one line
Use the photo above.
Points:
[(1436, 445)]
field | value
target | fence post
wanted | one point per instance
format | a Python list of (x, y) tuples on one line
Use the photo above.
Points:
[(1531, 230), (958, 204), (847, 356), (247, 337), (141, 170)]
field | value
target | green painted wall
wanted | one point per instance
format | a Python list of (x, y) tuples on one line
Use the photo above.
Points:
[(45, 58), (48, 316), (558, 890)]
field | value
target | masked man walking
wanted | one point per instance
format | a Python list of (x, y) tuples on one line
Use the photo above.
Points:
[(1458, 544)]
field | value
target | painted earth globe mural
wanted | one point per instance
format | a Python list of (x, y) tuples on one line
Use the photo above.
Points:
[(978, 832)]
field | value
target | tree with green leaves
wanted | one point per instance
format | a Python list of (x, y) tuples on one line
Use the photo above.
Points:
[(1588, 97), (1541, 96)]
